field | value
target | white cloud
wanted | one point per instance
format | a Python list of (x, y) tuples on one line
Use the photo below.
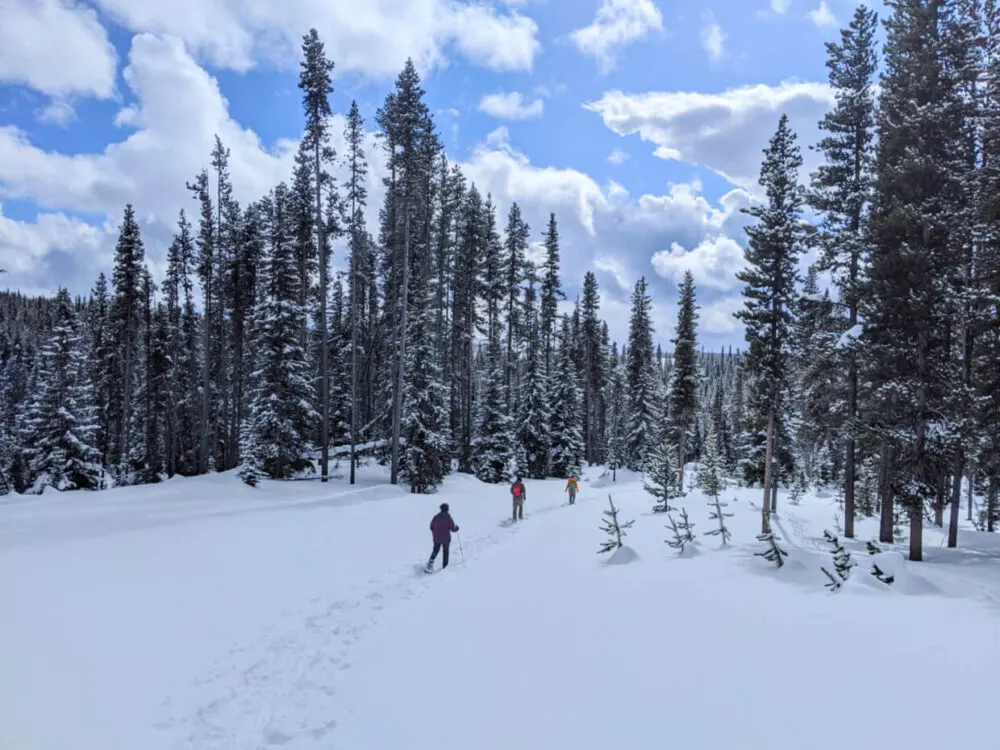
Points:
[(57, 47), (168, 136), (510, 106), (724, 132), (59, 111), (822, 16), (780, 6), (713, 38), (713, 262), (374, 38), (618, 23), (618, 156)]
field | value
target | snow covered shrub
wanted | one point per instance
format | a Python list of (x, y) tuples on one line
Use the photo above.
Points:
[(833, 584), (613, 528), (841, 557), (661, 477), (799, 487)]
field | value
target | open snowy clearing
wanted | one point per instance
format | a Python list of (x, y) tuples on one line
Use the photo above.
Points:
[(203, 614)]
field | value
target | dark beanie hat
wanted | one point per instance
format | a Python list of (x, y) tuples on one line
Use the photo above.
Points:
[(444, 507)]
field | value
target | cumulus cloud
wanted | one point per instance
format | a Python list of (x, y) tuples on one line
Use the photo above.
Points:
[(713, 38), (372, 38), (713, 262), (725, 132), (822, 16), (510, 106), (168, 134), (618, 23), (57, 47), (780, 6)]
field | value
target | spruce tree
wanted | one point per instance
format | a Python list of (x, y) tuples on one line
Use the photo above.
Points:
[(711, 472), (277, 437), (662, 479), (775, 244), (593, 353), (644, 412), (842, 191), (59, 426), (533, 436), (494, 445), (614, 528), (566, 426), (682, 531), (683, 397), (551, 292), (315, 80), (516, 271), (125, 323)]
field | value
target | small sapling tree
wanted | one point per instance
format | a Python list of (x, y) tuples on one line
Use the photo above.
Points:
[(613, 528)]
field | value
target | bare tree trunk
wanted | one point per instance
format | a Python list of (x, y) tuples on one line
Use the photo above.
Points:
[(765, 508), (916, 534), (397, 394), (354, 359), (885, 492), (939, 502), (971, 482), (956, 500), (324, 363), (991, 505)]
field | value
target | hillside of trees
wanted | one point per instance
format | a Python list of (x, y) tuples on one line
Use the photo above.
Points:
[(442, 347)]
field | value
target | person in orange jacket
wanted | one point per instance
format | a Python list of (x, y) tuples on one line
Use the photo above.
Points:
[(571, 487)]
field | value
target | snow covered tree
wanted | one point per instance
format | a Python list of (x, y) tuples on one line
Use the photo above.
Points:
[(493, 447), (662, 478), (60, 424), (711, 475), (775, 243), (643, 411), (550, 293), (682, 531), (277, 437), (566, 452), (841, 557), (685, 382), (533, 436), (316, 82), (842, 191), (614, 528)]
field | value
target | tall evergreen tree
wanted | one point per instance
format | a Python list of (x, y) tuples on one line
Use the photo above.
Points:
[(277, 433), (316, 82), (775, 243), (59, 424), (592, 364), (566, 426), (842, 191), (551, 291), (643, 411), (533, 436), (684, 386)]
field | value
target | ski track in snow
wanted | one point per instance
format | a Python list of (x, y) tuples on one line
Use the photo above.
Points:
[(268, 694)]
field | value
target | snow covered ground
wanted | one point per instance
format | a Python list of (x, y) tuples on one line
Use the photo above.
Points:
[(204, 614)]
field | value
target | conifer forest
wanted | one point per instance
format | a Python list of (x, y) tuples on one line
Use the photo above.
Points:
[(449, 344)]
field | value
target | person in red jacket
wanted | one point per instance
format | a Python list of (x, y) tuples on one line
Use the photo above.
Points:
[(441, 527)]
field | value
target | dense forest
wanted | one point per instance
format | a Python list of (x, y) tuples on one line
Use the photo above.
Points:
[(444, 346)]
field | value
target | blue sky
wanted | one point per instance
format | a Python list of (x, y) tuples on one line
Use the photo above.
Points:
[(639, 122)]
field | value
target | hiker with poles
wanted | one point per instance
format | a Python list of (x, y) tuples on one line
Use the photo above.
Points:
[(571, 487), (441, 527), (517, 493)]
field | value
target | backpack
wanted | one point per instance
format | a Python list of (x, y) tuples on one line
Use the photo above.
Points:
[(517, 490)]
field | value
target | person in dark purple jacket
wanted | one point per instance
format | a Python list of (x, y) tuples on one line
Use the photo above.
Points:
[(441, 527)]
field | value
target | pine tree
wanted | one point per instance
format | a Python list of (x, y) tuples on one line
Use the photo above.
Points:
[(842, 190), (516, 271), (277, 437), (566, 430), (205, 263), (683, 397), (913, 261), (59, 424), (533, 437), (662, 479), (494, 445), (594, 351), (711, 476), (841, 557), (716, 513), (683, 534), (315, 80), (775, 243), (551, 292), (773, 553), (617, 416), (614, 528), (125, 322), (641, 381)]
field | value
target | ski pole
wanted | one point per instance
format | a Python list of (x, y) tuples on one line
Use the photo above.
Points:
[(462, 551)]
